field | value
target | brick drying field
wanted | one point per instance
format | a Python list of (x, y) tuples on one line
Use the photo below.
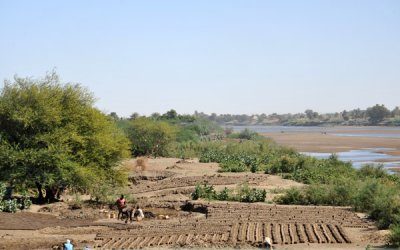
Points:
[(235, 224), (164, 189)]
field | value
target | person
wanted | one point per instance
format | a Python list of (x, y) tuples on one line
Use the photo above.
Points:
[(68, 245), (121, 204), (268, 243), (140, 215)]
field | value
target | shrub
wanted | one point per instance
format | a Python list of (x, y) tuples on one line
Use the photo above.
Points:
[(243, 193), (10, 206), (372, 171), (394, 237), (246, 134), (224, 195), (76, 202), (234, 167), (291, 196), (204, 191), (386, 209), (247, 194), (367, 194), (25, 202)]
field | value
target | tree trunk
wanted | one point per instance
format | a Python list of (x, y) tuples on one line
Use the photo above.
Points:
[(50, 194), (40, 196)]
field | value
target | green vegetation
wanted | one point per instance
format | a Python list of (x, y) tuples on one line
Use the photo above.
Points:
[(246, 134), (51, 137), (376, 115), (243, 193), (394, 237), (150, 137), (169, 134), (330, 181), (248, 155), (9, 204)]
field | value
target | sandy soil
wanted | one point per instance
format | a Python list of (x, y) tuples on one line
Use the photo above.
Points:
[(327, 142), (164, 189)]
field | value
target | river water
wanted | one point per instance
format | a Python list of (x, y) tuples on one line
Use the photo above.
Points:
[(332, 130), (360, 157)]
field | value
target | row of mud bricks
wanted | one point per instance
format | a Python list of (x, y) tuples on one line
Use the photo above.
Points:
[(284, 214), (239, 234)]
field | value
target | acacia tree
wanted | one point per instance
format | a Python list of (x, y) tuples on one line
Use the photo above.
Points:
[(150, 137), (377, 113), (52, 136)]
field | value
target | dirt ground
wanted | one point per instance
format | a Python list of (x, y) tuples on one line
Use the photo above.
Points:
[(164, 190)]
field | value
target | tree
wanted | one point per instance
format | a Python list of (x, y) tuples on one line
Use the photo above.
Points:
[(345, 115), (155, 115), (357, 114), (134, 116), (52, 136), (311, 114), (170, 115), (377, 113), (114, 116), (396, 112), (150, 137)]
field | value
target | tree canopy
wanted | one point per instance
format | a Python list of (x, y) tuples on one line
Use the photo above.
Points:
[(51, 135), (150, 137), (377, 113)]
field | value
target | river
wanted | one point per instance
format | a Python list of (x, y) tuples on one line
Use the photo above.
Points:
[(359, 156)]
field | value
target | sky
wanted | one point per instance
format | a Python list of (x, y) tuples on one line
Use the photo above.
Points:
[(212, 56)]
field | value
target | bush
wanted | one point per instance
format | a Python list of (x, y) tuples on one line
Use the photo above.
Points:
[(206, 191), (291, 196), (246, 134), (11, 205), (246, 194), (243, 193), (386, 209), (394, 238), (25, 201), (224, 195), (234, 167)]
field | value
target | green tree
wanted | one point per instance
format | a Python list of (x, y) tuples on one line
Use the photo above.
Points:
[(345, 115), (51, 135), (377, 113), (134, 116), (311, 114), (396, 112), (114, 116), (150, 137), (170, 115)]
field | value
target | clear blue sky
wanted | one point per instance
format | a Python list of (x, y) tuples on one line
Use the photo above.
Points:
[(237, 56)]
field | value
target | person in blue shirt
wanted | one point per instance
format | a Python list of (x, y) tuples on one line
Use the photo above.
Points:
[(68, 245)]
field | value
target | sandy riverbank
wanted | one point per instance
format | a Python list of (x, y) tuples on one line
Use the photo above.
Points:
[(327, 142)]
